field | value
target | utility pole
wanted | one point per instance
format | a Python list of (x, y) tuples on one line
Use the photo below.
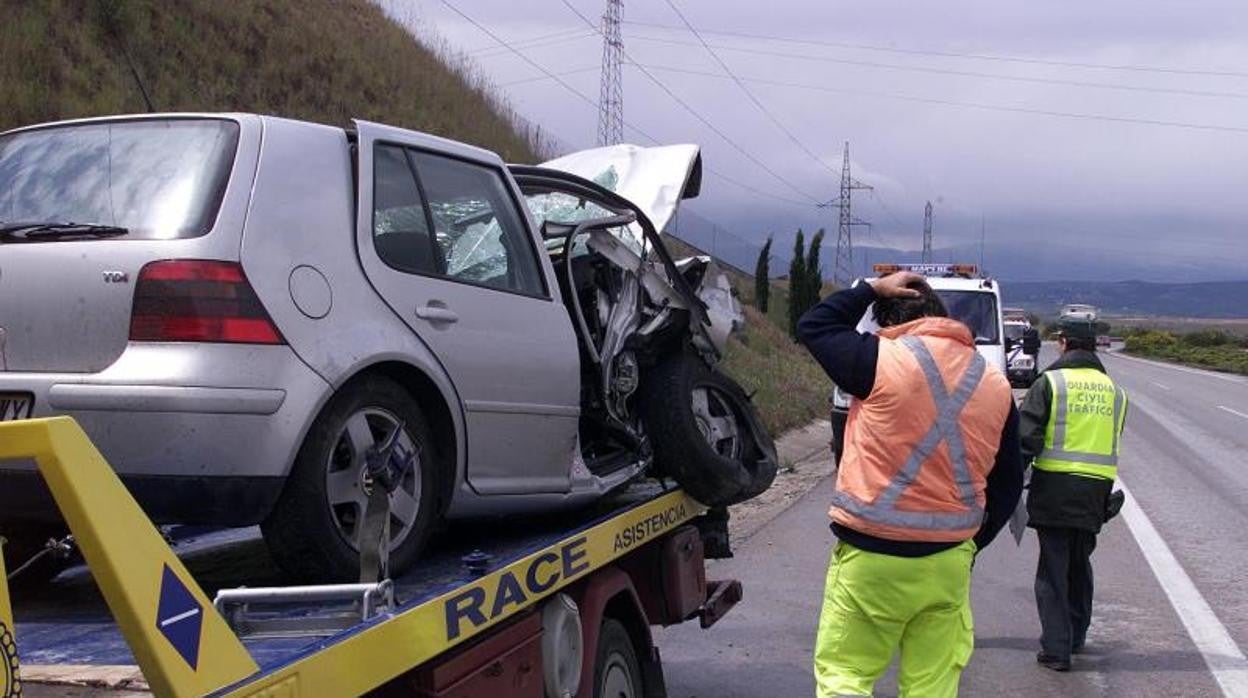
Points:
[(981, 244), (843, 267), (927, 233), (611, 88)]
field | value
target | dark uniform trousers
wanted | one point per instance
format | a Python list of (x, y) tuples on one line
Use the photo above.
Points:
[(1064, 588)]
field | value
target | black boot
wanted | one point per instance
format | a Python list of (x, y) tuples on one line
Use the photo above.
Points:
[(1048, 661)]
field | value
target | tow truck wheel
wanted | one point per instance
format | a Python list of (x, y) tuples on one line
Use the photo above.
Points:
[(313, 532), (617, 673)]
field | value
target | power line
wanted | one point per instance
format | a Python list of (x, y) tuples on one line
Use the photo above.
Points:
[(971, 105), (585, 98), (543, 40), (539, 78), (757, 103), (954, 54), (693, 112), (961, 73), (756, 190)]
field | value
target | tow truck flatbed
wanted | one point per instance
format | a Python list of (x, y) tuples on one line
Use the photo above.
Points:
[(444, 609), (74, 626)]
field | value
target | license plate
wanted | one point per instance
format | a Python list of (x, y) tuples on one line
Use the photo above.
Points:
[(14, 406)]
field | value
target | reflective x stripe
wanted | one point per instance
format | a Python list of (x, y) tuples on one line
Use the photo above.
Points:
[(948, 409), (1058, 450)]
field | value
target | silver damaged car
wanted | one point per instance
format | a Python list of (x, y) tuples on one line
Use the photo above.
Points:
[(240, 310)]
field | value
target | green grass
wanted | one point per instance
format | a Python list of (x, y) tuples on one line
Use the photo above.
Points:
[(1210, 349), (320, 60), (789, 388)]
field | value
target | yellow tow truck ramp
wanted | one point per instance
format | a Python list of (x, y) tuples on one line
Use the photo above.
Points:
[(521, 615)]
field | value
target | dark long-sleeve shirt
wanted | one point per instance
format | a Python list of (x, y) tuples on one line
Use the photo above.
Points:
[(829, 331)]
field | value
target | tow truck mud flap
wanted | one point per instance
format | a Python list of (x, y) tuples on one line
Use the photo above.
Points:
[(184, 647), (720, 598)]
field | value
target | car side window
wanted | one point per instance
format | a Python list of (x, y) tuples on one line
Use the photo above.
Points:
[(477, 228), (400, 224)]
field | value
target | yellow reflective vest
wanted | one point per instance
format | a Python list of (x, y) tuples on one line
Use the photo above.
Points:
[(1086, 415)]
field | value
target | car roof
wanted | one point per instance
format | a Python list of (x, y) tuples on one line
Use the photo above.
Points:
[(132, 117)]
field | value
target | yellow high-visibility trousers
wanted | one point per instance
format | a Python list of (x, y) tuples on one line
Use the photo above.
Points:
[(875, 605)]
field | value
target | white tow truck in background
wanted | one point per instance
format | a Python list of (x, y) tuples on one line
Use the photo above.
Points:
[(969, 298)]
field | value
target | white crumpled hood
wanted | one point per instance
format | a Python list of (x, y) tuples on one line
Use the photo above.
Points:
[(651, 178)]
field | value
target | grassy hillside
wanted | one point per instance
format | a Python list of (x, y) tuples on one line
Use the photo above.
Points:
[(321, 60)]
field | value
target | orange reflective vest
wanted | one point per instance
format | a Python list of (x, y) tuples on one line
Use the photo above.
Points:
[(918, 450)]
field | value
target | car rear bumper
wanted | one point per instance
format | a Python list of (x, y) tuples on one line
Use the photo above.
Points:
[(205, 433), (70, 397)]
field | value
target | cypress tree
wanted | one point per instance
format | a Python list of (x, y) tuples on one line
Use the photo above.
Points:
[(797, 283), (814, 273), (762, 277)]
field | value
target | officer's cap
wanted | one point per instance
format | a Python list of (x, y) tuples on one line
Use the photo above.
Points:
[(1076, 328)]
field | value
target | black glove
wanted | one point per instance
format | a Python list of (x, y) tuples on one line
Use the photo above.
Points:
[(1113, 504)]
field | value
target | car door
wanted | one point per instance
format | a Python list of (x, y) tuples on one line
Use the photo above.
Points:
[(443, 238)]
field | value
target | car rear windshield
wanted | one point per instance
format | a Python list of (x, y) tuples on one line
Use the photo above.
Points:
[(1015, 331), (977, 310), (160, 179)]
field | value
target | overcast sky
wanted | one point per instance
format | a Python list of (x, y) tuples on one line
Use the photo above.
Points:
[(1108, 187)]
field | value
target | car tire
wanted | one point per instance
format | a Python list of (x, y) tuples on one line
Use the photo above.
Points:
[(617, 672), (705, 432), (310, 533)]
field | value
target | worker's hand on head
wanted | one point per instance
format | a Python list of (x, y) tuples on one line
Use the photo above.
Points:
[(894, 285)]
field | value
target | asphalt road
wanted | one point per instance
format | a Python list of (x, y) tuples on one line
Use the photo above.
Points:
[(1183, 463)]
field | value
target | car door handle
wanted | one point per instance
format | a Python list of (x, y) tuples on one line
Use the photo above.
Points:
[(433, 313)]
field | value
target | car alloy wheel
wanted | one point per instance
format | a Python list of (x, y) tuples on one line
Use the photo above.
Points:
[(347, 486), (716, 421)]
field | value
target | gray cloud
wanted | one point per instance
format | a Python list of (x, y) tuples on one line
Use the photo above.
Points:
[(1101, 188)]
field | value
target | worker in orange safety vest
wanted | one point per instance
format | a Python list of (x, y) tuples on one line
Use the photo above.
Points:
[(930, 471)]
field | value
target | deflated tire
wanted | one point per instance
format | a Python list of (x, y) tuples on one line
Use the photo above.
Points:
[(705, 432)]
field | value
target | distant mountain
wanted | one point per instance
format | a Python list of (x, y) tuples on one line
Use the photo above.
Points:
[(1038, 275), (1214, 299)]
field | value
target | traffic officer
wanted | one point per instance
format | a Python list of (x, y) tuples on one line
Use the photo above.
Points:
[(929, 473), (1071, 423)]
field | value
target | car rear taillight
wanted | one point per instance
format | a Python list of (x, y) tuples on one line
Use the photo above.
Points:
[(189, 300)]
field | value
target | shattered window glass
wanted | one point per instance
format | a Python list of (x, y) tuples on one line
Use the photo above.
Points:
[(478, 232), (566, 209)]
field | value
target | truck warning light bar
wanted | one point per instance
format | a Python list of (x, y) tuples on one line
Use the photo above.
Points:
[(929, 269)]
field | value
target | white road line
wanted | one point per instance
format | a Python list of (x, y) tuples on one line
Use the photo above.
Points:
[(1234, 412), (1159, 385), (1174, 367), (181, 616), (1223, 657)]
